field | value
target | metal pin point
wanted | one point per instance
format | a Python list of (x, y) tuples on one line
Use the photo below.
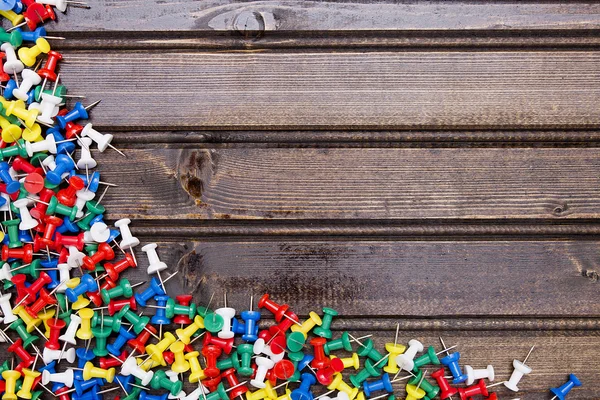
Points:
[(94, 104)]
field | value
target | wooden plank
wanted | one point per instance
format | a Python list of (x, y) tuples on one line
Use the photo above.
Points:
[(424, 278), (350, 184), (383, 90), (288, 15)]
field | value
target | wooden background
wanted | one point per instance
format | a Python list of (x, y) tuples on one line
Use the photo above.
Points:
[(430, 163)]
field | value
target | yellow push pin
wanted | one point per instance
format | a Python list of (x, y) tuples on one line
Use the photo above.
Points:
[(155, 350), (197, 373), (25, 392), (394, 350), (313, 319), (10, 378), (28, 55), (185, 335), (180, 364), (33, 133), (45, 316), (10, 132), (85, 329), (89, 372), (17, 108), (338, 384), (14, 18), (30, 322), (349, 362)]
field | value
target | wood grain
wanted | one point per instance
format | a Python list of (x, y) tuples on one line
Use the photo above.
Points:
[(338, 90), (348, 184), (445, 279), (287, 15)]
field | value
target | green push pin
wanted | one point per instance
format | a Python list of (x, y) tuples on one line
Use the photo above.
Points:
[(161, 381), (37, 159), (14, 150), (101, 334), (54, 207), (245, 351), (430, 357), (367, 349), (202, 311), (295, 341), (122, 289), (60, 91), (419, 381), (12, 226), (231, 362), (219, 394), (33, 269), (36, 395), (343, 342), (138, 322), (4, 367), (112, 322), (19, 327), (295, 357), (134, 394), (325, 329), (14, 37), (90, 249), (173, 309), (369, 371), (213, 322)]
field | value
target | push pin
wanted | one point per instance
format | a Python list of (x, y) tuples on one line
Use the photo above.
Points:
[(520, 370)]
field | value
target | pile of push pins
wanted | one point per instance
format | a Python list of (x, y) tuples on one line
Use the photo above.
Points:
[(73, 324)]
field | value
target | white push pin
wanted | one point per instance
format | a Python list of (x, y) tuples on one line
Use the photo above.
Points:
[(27, 221), (69, 335), (29, 79), (12, 65), (48, 144), (75, 257), (48, 108), (9, 317), (155, 265), (406, 361), (64, 271), (83, 196), (5, 274), (260, 347), (53, 355), (86, 161), (61, 5), (520, 370), (50, 164), (65, 378), (130, 367), (102, 140), (263, 364), (340, 396), (227, 313), (100, 232), (128, 240), (476, 374)]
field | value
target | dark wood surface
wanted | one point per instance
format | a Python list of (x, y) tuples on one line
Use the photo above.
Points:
[(428, 163)]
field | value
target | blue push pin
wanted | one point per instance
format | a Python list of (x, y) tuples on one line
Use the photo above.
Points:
[(32, 36), (381, 384), (145, 396), (115, 347), (52, 272), (24, 236), (114, 233), (237, 327), (451, 361), (307, 359), (562, 391), (155, 289), (91, 394), (82, 386), (251, 319), (160, 317), (125, 381), (63, 164), (303, 392), (12, 186), (61, 148), (78, 112), (18, 8), (70, 226), (8, 91), (86, 284), (6, 5)]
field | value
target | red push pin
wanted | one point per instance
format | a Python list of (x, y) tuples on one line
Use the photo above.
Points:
[(55, 325), (38, 284), (114, 270), (95, 296), (61, 240), (34, 183), (211, 353), (105, 252), (39, 210), (233, 381), (17, 348), (225, 345), (139, 343), (325, 375), (446, 391), (24, 253), (37, 13), (49, 70), (277, 310), (68, 196), (320, 360), (42, 301), (52, 223), (184, 300)]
